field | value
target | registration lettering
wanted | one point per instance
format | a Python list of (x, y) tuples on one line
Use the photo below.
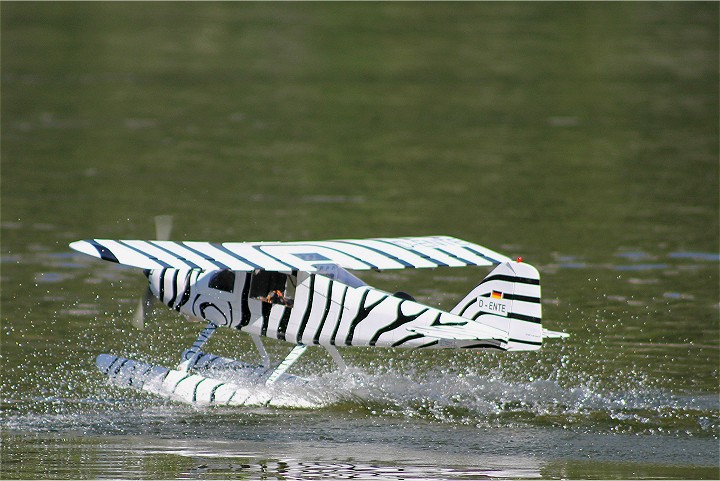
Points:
[(499, 307)]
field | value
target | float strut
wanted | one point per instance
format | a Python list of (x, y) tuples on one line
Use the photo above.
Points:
[(285, 365), (191, 355)]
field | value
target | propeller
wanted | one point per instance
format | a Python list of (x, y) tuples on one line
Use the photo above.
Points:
[(143, 307), (163, 228)]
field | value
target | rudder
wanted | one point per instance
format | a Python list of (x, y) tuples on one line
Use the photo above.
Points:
[(508, 299)]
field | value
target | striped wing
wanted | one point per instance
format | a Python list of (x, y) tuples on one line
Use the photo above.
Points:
[(355, 254)]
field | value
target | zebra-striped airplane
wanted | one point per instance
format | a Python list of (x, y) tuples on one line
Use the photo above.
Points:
[(303, 293)]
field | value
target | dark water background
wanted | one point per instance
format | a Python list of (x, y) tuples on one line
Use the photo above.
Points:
[(581, 136)]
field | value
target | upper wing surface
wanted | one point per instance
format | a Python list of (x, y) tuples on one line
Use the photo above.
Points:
[(354, 254)]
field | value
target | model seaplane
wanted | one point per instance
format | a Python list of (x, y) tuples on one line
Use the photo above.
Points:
[(304, 293)]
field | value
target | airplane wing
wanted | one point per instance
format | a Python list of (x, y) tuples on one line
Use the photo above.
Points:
[(354, 254)]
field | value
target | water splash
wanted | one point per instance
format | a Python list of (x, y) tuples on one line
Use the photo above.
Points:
[(469, 399), (491, 400)]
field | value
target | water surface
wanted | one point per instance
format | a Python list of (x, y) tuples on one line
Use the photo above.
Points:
[(582, 137)]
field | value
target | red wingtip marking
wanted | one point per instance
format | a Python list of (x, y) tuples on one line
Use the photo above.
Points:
[(519, 259)]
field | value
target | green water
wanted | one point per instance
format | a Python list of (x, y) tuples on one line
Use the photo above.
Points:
[(581, 136)]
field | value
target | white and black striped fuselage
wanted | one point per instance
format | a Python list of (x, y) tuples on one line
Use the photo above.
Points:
[(334, 309)]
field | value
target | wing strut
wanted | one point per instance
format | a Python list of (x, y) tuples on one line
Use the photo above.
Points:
[(294, 355)]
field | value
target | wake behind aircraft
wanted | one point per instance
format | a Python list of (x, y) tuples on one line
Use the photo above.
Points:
[(304, 293)]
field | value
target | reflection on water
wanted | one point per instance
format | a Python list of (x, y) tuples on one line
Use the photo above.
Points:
[(262, 442), (139, 457)]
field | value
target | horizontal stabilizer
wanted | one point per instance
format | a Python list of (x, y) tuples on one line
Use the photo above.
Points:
[(548, 334), (465, 332)]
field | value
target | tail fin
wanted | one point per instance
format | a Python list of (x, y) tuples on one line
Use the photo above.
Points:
[(508, 299)]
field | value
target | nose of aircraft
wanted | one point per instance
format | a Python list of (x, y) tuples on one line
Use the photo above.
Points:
[(155, 280)]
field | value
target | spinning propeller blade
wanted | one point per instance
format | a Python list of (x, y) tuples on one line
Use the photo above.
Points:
[(143, 307), (163, 228)]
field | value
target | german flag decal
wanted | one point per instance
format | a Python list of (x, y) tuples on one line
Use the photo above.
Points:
[(496, 295)]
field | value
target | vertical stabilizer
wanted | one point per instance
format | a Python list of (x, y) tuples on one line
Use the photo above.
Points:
[(508, 299)]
